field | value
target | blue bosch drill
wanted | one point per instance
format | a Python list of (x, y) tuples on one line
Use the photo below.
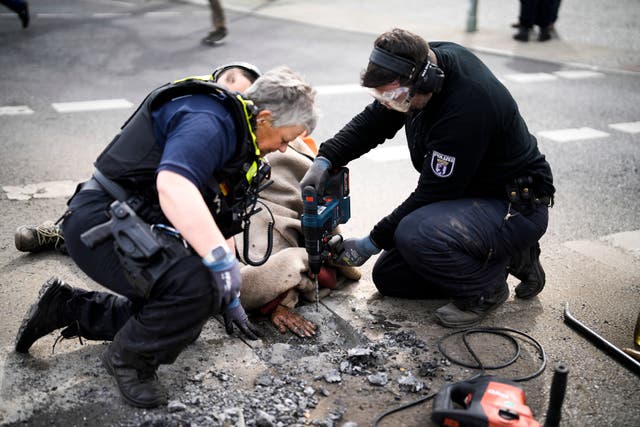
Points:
[(322, 214)]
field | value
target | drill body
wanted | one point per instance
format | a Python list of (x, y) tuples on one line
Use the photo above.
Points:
[(322, 214)]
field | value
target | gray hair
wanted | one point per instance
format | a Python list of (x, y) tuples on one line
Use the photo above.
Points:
[(289, 98)]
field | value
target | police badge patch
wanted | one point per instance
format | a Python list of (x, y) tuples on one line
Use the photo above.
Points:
[(442, 165)]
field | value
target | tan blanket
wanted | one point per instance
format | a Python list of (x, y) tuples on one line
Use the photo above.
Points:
[(287, 268)]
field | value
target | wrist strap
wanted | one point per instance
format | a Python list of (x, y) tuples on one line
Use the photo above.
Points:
[(219, 258)]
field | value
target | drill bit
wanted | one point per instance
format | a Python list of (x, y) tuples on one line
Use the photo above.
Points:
[(317, 292)]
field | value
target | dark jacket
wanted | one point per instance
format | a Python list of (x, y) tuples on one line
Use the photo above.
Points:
[(468, 141)]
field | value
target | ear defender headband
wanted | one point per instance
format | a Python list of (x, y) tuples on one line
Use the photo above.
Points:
[(429, 79)]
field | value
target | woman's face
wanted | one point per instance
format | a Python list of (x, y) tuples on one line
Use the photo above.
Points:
[(271, 138)]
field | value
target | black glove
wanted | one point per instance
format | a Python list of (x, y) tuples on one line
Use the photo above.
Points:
[(355, 252), (234, 314), (317, 175), (225, 272)]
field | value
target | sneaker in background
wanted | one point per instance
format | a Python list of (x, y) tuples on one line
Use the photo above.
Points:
[(215, 36)]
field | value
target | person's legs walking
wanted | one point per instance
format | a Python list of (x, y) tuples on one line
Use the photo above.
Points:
[(218, 20)]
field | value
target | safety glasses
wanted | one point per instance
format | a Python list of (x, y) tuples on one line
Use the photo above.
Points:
[(398, 99)]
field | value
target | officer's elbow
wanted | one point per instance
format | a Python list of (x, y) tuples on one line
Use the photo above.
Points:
[(170, 184)]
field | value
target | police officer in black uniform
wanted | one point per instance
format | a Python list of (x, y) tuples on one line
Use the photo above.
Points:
[(484, 188), (189, 159)]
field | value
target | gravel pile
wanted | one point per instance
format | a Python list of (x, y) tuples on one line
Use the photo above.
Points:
[(299, 377)]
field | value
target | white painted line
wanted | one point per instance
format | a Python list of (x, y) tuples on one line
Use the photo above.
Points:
[(605, 254), (388, 154), (56, 15), (531, 77), (40, 190), (102, 104), (493, 51), (15, 110), (109, 14), (123, 3), (576, 134), (630, 127), (578, 74), (340, 89), (627, 240), (162, 14)]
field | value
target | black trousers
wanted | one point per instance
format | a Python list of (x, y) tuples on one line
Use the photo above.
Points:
[(146, 332), (537, 12), (456, 248)]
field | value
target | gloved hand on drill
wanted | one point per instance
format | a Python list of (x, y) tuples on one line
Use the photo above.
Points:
[(355, 252), (227, 281), (316, 175)]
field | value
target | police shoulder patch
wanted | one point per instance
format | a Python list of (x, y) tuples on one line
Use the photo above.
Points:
[(442, 165)]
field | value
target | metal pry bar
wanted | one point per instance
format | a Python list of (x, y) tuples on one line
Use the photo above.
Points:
[(622, 357)]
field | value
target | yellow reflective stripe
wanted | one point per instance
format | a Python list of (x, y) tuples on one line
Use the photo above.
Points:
[(248, 117), (253, 170), (205, 78)]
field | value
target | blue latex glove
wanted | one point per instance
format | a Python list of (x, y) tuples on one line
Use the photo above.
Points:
[(355, 252), (317, 175), (234, 314), (225, 274)]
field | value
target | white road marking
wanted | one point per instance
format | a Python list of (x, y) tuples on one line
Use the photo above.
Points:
[(619, 250), (101, 104), (340, 89), (575, 134), (15, 110), (57, 15), (627, 240), (531, 77), (578, 74), (388, 154), (630, 127), (40, 190), (109, 14)]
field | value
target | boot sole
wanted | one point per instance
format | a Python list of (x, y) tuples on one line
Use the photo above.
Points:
[(138, 404), (44, 297), (448, 324)]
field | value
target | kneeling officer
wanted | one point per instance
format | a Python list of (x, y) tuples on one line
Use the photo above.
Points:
[(190, 159)]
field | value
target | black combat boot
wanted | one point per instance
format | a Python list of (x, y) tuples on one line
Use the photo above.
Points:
[(523, 34), (526, 267), (465, 312), (38, 238), (544, 34), (138, 387), (45, 315)]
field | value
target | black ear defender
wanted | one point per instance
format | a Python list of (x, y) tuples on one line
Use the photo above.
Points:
[(429, 79)]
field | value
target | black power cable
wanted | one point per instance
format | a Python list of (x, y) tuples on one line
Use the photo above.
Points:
[(503, 332)]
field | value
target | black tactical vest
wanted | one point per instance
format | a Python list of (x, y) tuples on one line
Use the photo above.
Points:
[(133, 156)]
